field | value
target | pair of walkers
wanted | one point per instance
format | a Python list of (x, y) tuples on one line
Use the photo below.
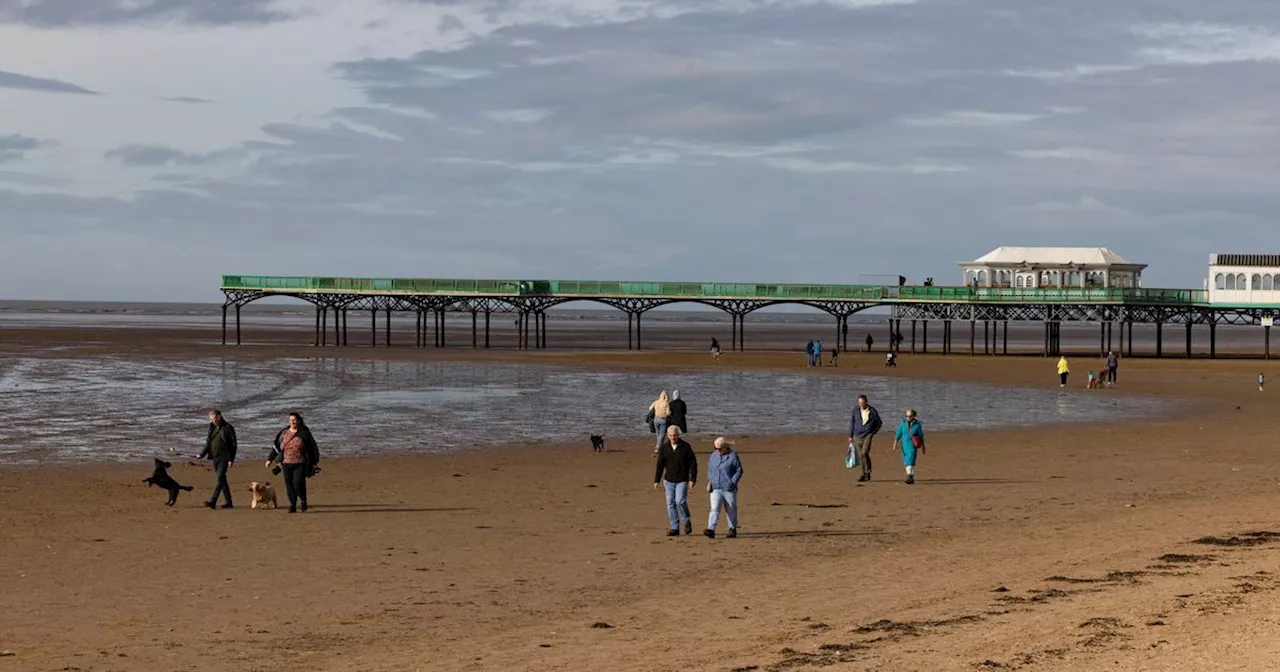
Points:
[(865, 424), (294, 450), (667, 411), (677, 473)]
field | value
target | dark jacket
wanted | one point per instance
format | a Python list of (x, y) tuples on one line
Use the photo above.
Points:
[(310, 451), (676, 465), (677, 416), (221, 442), (856, 428)]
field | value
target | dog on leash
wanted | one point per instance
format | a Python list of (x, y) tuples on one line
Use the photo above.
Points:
[(161, 479), (597, 443), (262, 493)]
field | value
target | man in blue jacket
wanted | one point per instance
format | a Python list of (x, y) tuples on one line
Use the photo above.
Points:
[(724, 470), (863, 427)]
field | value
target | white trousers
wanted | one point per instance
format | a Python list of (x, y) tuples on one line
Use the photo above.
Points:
[(728, 500)]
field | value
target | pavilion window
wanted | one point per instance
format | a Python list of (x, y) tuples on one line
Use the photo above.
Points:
[(1220, 281)]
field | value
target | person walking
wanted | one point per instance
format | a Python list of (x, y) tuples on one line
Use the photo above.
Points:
[(1262, 380), (677, 412), (835, 356), (869, 342), (909, 440), (220, 446), (724, 470), (808, 353), (677, 473), (1064, 370), (1113, 366), (817, 353), (715, 349), (295, 449), (863, 427), (660, 415)]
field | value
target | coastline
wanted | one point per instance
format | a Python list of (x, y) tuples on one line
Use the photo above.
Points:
[(475, 560)]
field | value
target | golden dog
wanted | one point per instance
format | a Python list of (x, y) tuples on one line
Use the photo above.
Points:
[(262, 493)]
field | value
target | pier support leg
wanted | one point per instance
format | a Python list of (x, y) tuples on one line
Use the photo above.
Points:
[(442, 330), (486, 329), (1159, 339), (237, 324), (373, 328), (988, 342), (638, 316), (544, 330), (973, 338), (324, 325), (1213, 339), (1047, 349), (1129, 332), (475, 330), (630, 317), (924, 340), (387, 327), (224, 324), (742, 332), (1006, 337), (1102, 339), (1110, 329), (317, 331), (337, 326), (1189, 325), (1266, 342), (913, 336), (417, 328)]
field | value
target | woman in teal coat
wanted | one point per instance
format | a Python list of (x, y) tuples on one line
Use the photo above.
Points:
[(909, 438)]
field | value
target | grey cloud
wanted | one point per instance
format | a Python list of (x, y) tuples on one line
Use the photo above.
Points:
[(13, 80), (186, 99), (155, 155), (14, 147), (70, 13)]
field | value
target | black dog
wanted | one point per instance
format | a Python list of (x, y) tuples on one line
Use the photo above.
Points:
[(597, 443), (161, 479)]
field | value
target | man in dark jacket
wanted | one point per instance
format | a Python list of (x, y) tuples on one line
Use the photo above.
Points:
[(678, 412), (862, 429), (220, 447), (677, 471)]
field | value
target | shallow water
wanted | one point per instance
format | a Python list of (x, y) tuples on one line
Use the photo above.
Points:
[(104, 408)]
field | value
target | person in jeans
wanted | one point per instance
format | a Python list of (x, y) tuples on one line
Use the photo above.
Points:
[(677, 472), (220, 446), (863, 427), (660, 415), (1113, 367), (724, 470), (295, 448)]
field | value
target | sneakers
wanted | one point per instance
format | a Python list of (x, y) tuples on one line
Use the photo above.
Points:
[(709, 533), (211, 505), (688, 528), (865, 477), (911, 480), (733, 533), (227, 506), (673, 533)]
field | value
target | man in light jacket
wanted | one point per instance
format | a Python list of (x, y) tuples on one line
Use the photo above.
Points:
[(724, 470), (863, 427)]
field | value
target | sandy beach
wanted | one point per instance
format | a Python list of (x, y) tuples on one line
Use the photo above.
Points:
[(1137, 545)]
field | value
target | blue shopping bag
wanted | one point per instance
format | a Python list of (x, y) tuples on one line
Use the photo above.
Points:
[(850, 457)]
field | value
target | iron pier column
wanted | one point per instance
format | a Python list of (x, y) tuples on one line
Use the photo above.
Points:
[(1159, 338), (224, 324), (1213, 337), (973, 338), (317, 330), (924, 336), (373, 327), (475, 330), (1129, 332), (1266, 342), (486, 329), (237, 324), (1006, 337), (1189, 324), (324, 325), (913, 336), (638, 316)]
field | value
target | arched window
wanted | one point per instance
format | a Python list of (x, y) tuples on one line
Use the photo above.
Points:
[(1231, 281), (1255, 283), (982, 278), (1220, 281), (1268, 283)]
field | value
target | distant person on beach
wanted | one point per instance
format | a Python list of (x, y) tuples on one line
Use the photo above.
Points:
[(724, 470), (715, 349), (295, 449), (677, 472), (835, 356), (659, 414), (220, 446), (891, 359), (677, 413), (817, 353), (909, 439), (869, 342), (1092, 381), (1113, 366), (808, 353), (863, 427), (1262, 380), (1064, 370)]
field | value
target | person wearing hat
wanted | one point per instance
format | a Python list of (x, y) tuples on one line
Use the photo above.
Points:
[(724, 470)]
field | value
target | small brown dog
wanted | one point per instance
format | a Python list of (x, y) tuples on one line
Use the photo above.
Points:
[(262, 493)]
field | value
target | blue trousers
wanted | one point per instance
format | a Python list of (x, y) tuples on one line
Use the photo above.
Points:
[(677, 503)]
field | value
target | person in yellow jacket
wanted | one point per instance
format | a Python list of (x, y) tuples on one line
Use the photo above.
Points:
[(1064, 370)]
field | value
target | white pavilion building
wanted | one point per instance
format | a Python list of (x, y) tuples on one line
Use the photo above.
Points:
[(1052, 268), (1244, 278)]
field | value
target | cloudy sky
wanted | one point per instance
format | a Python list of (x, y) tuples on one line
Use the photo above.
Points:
[(148, 146)]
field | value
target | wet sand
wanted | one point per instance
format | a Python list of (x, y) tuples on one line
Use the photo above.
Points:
[(1037, 549)]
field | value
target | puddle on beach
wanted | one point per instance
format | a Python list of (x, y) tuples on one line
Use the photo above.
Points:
[(66, 410)]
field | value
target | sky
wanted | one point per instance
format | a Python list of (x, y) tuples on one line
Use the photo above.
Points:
[(149, 146)]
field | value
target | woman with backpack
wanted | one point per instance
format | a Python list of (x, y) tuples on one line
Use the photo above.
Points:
[(296, 451)]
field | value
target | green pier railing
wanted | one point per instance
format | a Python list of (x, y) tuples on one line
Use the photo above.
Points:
[(710, 290)]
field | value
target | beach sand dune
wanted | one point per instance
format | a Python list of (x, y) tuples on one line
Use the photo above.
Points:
[(1138, 545)]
